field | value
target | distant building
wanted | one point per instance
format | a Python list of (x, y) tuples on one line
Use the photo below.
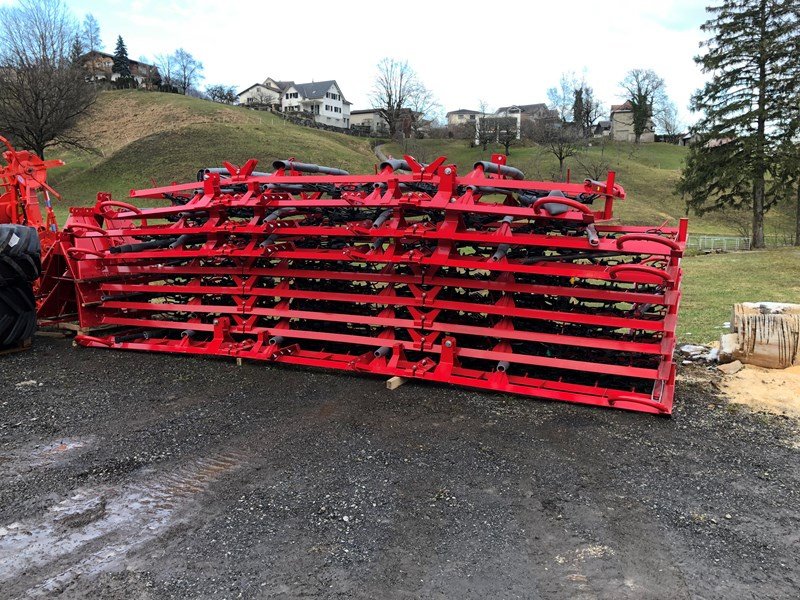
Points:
[(462, 116), (370, 120), (100, 65), (321, 99), (267, 93), (602, 129), (531, 113), (622, 124)]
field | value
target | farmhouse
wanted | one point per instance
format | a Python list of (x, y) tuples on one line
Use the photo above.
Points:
[(99, 65), (462, 116), (267, 93), (622, 124), (368, 119)]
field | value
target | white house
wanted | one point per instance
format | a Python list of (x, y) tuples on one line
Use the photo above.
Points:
[(369, 118), (267, 93), (322, 99)]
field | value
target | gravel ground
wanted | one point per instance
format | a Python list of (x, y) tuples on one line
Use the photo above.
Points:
[(131, 475)]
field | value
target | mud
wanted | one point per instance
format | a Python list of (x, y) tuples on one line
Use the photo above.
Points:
[(149, 476)]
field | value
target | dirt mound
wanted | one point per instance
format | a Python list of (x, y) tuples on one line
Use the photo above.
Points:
[(772, 390), (120, 118)]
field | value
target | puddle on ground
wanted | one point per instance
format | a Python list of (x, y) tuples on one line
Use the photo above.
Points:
[(94, 529), (21, 460)]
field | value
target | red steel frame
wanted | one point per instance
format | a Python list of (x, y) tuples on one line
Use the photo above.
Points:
[(414, 274)]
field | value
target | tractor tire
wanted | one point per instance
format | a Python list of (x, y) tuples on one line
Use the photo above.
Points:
[(20, 254), (17, 313)]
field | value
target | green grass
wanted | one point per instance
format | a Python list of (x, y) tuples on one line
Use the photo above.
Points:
[(648, 172), (714, 283)]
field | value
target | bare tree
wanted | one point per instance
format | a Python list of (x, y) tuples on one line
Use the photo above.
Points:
[(595, 166), (167, 69), (485, 130), (221, 93), (42, 92), (645, 91), (507, 132), (188, 70), (561, 97), (562, 140), (398, 92), (423, 109), (668, 122), (586, 110)]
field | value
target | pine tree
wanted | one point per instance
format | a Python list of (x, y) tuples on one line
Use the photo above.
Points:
[(734, 162), (578, 109), (76, 50), (122, 63)]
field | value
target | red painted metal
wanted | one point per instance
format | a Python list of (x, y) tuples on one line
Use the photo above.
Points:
[(424, 274)]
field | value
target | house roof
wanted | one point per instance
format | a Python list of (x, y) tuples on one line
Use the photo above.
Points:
[(464, 111), (526, 108), (252, 86), (130, 60), (625, 106), (364, 111), (604, 124), (316, 89)]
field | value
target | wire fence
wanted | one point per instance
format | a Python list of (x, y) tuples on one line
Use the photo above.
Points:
[(732, 244)]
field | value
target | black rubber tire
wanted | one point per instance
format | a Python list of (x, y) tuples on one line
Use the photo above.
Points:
[(20, 254), (17, 313)]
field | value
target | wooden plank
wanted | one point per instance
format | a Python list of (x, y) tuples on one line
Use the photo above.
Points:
[(23, 345), (395, 382)]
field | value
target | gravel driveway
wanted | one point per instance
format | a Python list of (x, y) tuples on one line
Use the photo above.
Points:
[(129, 475)]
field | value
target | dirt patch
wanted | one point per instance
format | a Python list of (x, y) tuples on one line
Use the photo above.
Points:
[(772, 390), (118, 119)]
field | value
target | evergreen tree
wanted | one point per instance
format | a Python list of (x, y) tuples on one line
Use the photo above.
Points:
[(578, 109), (76, 50), (751, 57), (122, 63)]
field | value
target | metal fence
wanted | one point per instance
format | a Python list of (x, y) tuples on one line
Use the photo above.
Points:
[(732, 244)]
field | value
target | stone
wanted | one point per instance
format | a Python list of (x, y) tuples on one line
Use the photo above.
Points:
[(731, 368)]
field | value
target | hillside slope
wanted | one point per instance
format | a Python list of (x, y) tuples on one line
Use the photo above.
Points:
[(648, 172), (140, 137)]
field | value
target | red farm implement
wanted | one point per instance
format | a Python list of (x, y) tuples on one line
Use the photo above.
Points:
[(24, 190), (485, 280)]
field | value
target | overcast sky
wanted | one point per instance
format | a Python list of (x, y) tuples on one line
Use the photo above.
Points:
[(503, 52)]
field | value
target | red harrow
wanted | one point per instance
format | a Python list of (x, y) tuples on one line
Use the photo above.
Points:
[(486, 280)]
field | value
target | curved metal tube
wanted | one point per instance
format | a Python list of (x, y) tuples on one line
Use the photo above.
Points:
[(616, 269), (647, 237), (569, 202), (490, 167), (307, 168)]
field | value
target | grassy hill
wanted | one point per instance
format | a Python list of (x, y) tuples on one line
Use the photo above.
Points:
[(648, 172), (140, 137)]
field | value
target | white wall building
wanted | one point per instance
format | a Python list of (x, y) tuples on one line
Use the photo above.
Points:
[(266, 93), (369, 118), (322, 99)]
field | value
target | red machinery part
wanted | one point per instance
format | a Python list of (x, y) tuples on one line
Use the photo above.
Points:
[(421, 274)]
